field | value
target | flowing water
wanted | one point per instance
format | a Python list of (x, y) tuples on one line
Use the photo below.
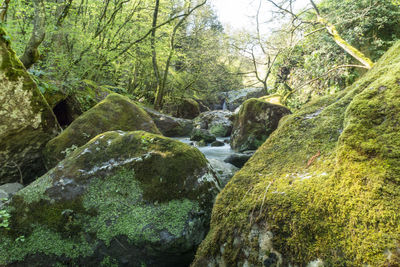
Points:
[(219, 153)]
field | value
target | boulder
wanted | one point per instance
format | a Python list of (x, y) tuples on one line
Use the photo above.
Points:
[(188, 109), (202, 135), (124, 199), (170, 126), (323, 190), (253, 124), (26, 120), (239, 159), (218, 122), (8, 190), (200, 143), (217, 143), (233, 99), (223, 170), (116, 112)]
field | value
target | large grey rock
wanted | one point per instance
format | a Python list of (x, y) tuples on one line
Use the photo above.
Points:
[(233, 99), (27, 122), (224, 171), (125, 198), (8, 190), (170, 126), (218, 122), (254, 123)]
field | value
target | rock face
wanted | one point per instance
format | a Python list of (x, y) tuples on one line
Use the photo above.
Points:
[(188, 109), (116, 112), (323, 189), (170, 126), (233, 99), (202, 135), (124, 198), (253, 124), (26, 120), (218, 122)]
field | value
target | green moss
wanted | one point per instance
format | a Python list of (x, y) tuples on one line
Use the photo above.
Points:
[(118, 200), (219, 130), (116, 112), (146, 191), (44, 241), (342, 206)]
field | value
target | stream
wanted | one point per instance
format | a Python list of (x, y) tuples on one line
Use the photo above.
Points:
[(220, 153)]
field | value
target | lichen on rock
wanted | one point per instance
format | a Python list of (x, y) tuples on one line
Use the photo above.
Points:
[(26, 120), (323, 188), (124, 196)]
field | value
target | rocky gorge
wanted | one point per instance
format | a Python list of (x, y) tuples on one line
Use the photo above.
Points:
[(121, 184)]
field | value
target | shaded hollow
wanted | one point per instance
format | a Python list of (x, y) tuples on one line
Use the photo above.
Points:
[(63, 114)]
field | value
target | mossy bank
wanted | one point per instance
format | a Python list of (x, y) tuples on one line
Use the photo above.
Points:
[(324, 187)]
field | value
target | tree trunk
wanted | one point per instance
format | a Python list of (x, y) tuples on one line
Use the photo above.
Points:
[(157, 103), (351, 50), (3, 10), (348, 48), (31, 53)]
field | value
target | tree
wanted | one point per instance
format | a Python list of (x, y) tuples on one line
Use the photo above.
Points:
[(162, 81), (31, 53), (331, 29)]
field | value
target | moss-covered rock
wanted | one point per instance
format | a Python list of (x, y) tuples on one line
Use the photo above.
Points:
[(26, 120), (188, 109), (218, 122), (116, 112), (170, 126), (324, 187), (132, 198), (256, 120), (202, 135)]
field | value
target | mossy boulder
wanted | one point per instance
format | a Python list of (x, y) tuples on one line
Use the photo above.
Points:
[(124, 198), (26, 120), (116, 112), (218, 122), (170, 126), (323, 189), (202, 135), (188, 109), (256, 120)]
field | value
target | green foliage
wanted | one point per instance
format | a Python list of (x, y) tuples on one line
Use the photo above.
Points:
[(4, 216), (309, 68), (104, 41)]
